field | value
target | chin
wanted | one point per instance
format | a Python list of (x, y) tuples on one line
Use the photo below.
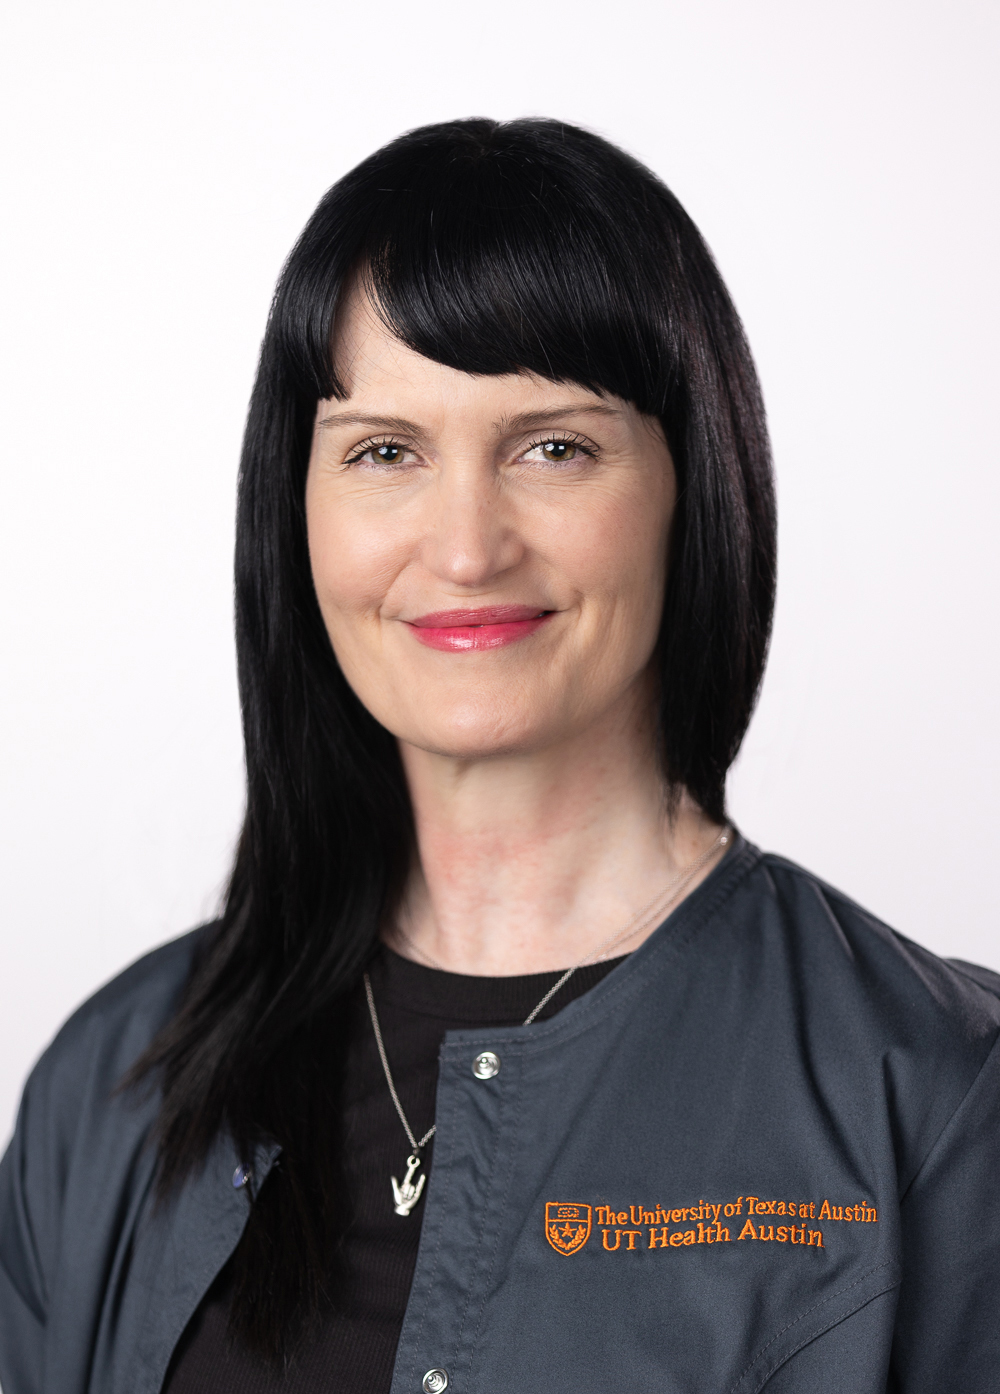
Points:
[(478, 734)]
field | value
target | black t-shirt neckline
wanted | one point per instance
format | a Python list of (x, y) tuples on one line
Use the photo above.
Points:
[(476, 1001)]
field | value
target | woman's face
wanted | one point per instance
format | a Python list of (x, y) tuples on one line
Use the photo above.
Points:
[(489, 553)]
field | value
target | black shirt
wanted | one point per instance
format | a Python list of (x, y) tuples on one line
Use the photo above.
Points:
[(354, 1348)]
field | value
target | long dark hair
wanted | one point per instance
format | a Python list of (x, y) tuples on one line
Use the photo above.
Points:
[(490, 247)]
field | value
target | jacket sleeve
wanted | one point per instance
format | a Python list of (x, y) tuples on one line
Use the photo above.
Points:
[(22, 1285), (947, 1329)]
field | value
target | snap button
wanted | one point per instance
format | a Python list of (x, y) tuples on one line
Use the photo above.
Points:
[(241, 1176), (434, 1381), (485, 1066)]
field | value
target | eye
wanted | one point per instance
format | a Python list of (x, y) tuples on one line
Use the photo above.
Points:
[(387, 454), (561, 451)]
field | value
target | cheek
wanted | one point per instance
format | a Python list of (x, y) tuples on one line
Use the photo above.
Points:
[(617, 555), (354, 561)]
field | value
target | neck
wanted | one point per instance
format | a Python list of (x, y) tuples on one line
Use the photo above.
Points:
[(531, 862)]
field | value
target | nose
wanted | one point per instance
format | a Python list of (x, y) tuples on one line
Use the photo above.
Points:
[(471, 535)]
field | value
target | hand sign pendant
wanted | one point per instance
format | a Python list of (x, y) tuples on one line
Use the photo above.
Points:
[(404, 1196), (407, 1194)]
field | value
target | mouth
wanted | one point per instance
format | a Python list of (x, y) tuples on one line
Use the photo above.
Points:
[(463, 631)]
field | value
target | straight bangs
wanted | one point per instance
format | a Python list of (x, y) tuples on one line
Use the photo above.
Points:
[(481, 256), (498, 266)]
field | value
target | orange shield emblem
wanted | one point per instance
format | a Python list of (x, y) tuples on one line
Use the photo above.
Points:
[(567, 1227)]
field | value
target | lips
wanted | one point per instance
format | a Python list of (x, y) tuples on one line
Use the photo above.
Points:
[(491, 627)]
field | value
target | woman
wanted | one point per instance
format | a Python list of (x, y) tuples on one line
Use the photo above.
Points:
[(509, 1064)]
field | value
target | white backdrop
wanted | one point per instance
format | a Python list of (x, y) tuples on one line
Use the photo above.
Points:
[(840, 157)]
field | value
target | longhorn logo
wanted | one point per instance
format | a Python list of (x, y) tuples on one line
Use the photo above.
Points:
[(567, 1226)]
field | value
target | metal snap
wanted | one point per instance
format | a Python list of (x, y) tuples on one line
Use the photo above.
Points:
[(241, 1176), (485, 1066), (434, 1381)]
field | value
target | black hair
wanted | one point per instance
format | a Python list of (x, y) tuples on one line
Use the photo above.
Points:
[(490, 247)]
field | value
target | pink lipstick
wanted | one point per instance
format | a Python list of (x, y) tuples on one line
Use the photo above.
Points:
[(489, 628)]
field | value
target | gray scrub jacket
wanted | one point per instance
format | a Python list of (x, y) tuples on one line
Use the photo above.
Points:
[(763, 1151)]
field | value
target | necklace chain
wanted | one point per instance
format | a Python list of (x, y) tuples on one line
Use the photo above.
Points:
[(417, 1146), (407, 1195)]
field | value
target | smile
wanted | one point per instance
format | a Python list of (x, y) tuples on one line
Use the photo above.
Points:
[(472, 630)]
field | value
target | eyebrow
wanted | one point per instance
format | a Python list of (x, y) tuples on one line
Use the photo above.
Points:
[(522, 421), (379, 423), (532, 420)]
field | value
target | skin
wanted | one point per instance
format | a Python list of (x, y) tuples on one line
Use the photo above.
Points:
[(539, 808)]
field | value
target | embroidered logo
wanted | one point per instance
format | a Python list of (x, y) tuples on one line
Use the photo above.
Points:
[(801, 1224), (567, 1227)]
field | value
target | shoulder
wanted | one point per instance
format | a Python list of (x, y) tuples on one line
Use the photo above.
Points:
[(889, 1035), (862, 956), (875, 1015), (78, 1145)]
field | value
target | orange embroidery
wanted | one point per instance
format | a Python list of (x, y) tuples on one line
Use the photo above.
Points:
[(567, 1226)]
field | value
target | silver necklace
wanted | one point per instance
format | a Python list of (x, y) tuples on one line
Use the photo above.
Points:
[(407, 1192)]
